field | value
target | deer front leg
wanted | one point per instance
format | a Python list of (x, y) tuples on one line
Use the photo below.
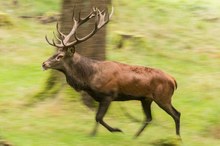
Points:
[(102, 109)]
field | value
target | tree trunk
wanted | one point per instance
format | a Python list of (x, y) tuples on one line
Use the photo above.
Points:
[(93, 47)]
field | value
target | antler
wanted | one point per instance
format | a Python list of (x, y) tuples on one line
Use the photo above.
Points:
[(101, 18)]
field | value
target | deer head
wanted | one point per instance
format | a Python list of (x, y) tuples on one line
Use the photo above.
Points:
[(66, 49)]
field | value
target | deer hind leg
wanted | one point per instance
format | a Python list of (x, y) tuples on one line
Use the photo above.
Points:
[(168, 108), (146, 105), (102, 109), (177, 120)]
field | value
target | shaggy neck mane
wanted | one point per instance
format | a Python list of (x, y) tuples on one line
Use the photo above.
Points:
[(78, 71)]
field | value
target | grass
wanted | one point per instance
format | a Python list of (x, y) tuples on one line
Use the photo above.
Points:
[(179, 36)]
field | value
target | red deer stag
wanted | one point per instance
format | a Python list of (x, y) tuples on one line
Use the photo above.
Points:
[(108, 81)]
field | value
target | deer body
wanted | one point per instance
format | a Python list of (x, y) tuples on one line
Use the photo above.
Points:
[(115, 79), (108, 81)]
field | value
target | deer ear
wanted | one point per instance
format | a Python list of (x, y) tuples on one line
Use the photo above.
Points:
[(59, 57), (71, 50)]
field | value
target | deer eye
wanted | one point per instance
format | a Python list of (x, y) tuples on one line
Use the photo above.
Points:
[(59, 57)]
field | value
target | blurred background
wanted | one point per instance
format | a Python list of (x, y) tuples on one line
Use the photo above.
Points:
[(181, 37)]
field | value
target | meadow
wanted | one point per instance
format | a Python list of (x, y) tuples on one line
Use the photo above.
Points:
[(180, 37)]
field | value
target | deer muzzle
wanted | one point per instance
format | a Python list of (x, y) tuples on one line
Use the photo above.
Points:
[(45, 66)]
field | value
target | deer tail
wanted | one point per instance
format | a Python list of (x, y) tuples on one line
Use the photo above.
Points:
[(175, 84)]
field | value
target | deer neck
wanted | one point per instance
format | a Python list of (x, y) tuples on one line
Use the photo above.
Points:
[(79, 71)]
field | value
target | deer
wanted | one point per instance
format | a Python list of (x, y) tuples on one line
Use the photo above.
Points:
[(108, 81)]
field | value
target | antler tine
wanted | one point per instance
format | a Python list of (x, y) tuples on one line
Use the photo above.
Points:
[(63, 43), (110, 15), (97, 19), (67, 37), (73, 15), (101, 19), (48, 41), (56, 37), (57, 27), (79, 15), (94, 9), (54, 42)]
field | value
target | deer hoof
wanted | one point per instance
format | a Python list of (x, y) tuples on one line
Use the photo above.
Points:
[(116, 130)]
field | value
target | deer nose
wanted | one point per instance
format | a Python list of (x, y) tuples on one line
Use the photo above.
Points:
[(45, 66)]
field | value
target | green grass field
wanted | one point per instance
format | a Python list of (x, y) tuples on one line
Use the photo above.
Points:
[(179, 36)]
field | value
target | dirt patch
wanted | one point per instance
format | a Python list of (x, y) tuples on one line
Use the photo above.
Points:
[(215, 132), (5, 19), (5, 143)]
